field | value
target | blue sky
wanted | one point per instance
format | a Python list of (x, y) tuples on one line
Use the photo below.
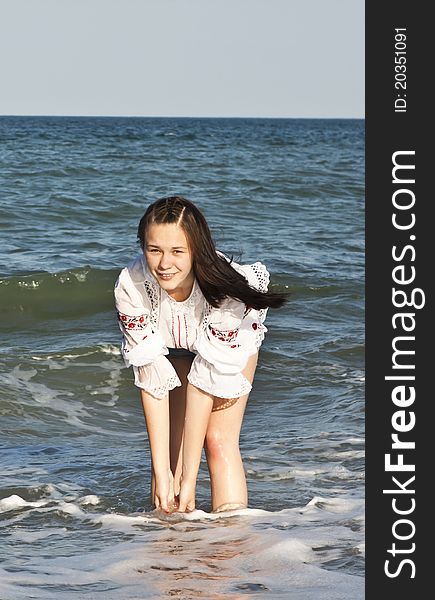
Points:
[(252, 58)]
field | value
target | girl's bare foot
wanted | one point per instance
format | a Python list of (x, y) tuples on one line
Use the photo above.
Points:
[(229, 506)]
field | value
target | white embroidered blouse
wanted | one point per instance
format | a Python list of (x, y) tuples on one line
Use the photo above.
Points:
[(222, 338)]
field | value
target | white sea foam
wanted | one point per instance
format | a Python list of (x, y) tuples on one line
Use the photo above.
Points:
[(74, 410), (110, 386), (346, 454), (335, 505), (354, 440), (110, 349), (74, 505), (21, 380), (332, 470), (30, 537), (90, 499), (15, 502), (123, 522), (228, 554)]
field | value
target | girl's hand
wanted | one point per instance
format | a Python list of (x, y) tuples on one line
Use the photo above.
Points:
[(187, 495), (164, 497)]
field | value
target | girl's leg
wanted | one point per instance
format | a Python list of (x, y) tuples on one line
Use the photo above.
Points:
[(227, 474), (177, 408)]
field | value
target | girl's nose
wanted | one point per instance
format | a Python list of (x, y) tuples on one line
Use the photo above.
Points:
[(165, 261)]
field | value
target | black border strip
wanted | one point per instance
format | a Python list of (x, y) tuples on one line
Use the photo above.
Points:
[(389, 131)]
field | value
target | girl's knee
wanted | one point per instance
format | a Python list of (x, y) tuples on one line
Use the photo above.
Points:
[(219, 445)]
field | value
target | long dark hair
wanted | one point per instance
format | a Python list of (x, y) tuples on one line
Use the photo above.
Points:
[(214, 273)]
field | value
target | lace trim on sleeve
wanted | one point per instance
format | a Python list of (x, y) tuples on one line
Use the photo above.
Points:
[(153, 296), (161, 391), (158, 391), (263, 278), (206, 315), (262, 275)]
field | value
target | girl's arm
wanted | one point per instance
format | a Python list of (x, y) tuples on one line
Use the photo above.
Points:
[(143, 347), (156, 414), (198, 409)]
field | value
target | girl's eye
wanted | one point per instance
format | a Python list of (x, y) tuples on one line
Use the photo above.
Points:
[(157, 251)]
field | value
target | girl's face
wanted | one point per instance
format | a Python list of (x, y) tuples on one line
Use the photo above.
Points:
[(169, 259)]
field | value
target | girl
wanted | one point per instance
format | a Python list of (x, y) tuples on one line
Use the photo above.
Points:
[(192, 322)]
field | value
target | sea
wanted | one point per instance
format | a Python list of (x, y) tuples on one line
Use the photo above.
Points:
[(76, 519)]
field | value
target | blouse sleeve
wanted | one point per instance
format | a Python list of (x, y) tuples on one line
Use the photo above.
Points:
[(142, 347), (234, 332)]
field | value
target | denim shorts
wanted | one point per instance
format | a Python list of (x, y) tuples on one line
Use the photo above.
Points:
[(180, 353)]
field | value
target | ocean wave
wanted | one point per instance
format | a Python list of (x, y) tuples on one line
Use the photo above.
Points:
[(77, 292), (53, 498)]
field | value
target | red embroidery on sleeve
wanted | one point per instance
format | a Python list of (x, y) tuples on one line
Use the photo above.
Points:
[(136, 323), (228, 336)]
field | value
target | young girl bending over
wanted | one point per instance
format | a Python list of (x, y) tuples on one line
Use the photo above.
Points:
[(192, 322)]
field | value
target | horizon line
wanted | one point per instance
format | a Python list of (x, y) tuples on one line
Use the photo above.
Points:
[(88, 116)]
